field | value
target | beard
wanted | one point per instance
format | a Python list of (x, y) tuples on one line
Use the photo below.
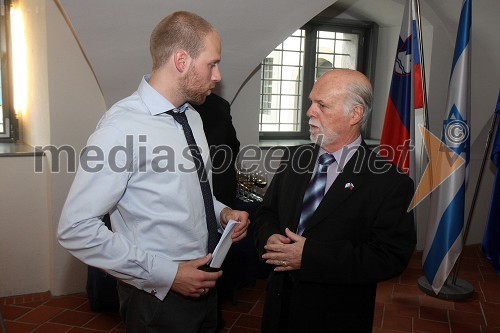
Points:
[(192, 87), (322, 137)]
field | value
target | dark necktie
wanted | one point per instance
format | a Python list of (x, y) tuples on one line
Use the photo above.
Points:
[(213, 235), (315, 191)]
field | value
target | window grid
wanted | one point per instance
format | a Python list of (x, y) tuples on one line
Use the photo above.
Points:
[(267, 88), (340, 56), (329, 46), (278, 89)]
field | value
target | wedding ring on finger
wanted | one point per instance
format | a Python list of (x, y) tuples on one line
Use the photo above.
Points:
[(283, 263)]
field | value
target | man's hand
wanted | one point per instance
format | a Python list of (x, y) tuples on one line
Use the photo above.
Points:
[(193, 282), (240, 231), (284, 252), (278, 239)]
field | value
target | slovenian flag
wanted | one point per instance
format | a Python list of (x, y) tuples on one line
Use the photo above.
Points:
[(491, 238), (405, 96), (443, 243)]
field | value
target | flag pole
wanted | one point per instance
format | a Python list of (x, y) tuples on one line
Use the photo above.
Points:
[(424, 92), (474, 198)]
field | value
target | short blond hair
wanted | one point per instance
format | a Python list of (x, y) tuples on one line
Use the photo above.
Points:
[(179, 30)]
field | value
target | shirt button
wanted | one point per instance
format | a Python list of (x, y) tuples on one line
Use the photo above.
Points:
[(153, 292)]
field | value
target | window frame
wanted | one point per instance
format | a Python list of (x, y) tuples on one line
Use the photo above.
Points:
[(367, 32), (9, 131)]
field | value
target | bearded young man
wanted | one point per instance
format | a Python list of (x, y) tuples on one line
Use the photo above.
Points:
[(334, 220), (148, 181)]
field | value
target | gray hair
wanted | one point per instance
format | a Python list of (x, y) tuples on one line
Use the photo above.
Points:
[(359, 93)]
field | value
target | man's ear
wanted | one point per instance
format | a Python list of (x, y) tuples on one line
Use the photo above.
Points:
[(357, 114), (181, 59)]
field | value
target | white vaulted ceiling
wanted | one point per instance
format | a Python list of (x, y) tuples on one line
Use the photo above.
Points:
[(115, 34)]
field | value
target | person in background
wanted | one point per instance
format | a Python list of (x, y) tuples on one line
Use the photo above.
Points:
[(140, 169), (334, 220), (224, 146)]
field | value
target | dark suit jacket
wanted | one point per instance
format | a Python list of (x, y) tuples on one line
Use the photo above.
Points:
[(224, 146), (356, 238)]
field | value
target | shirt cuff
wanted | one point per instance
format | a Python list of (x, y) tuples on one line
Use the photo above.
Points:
[(162, 277), (218, 207)]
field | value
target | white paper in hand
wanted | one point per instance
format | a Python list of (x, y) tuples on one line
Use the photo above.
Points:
[(223, 246)]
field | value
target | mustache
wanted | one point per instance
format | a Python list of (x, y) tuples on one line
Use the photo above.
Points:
[(313, 123)]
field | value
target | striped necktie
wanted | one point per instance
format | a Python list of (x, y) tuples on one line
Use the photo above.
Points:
[(315, 191), (213, 234)]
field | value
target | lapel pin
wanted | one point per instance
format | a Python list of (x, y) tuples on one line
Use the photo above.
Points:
[(349, 186)]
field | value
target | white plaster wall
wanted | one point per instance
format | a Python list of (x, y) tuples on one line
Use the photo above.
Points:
[(25, 254), (65, 104), (76, 104), (24, 235)]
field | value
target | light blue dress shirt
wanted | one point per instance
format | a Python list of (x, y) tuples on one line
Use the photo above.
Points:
[(342, 156), (136, 166)]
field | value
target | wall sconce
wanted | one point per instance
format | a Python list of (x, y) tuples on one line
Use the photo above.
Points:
[(19, 59)]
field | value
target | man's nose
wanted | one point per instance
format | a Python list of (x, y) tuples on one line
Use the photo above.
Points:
[(310, 112), (216, 75)]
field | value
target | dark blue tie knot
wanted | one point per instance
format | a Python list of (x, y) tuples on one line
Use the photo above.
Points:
[(180, 117)]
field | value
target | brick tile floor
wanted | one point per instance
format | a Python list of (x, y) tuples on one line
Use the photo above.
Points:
[(401, 307)]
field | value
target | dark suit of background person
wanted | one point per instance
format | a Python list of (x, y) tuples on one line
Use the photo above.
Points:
[(356, 237), (224, 146)]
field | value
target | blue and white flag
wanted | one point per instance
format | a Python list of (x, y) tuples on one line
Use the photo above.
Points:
[(443, 243)]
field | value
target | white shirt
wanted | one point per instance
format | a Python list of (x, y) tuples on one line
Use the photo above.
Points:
[(139, 170)]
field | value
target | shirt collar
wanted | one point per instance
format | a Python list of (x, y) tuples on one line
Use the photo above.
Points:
[(344, 154), (154, 101), (182, 108)]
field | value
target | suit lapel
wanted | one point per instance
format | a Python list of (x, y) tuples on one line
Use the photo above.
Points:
[(345, 185)]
